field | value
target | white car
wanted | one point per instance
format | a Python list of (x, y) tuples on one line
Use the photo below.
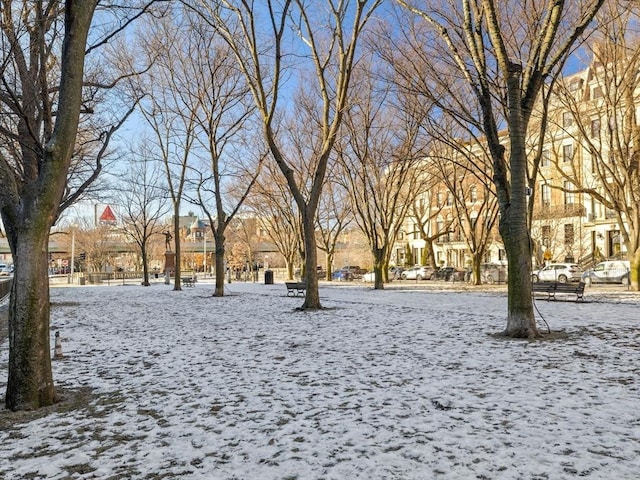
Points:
[(612, 271), (369, 276), (558, 272), (5, 270), (418, 273)]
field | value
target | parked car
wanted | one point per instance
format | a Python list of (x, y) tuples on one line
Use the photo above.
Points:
[(342, 275), (5, 270), (395, 273), (612, 271), (450, 273), (369, 277), (417, 273), (349, 272), (558, 272), (493, 273)]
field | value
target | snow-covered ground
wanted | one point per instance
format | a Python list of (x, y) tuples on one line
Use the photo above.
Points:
[(394, 384)]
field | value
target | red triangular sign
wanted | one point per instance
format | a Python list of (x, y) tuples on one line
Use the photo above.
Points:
[(108, 216)]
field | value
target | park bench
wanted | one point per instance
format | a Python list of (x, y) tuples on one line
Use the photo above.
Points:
[(296, 288), (188, 281), (551, 288)]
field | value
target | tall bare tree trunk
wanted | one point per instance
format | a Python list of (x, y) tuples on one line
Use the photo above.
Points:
[(513, 223), (178, 259), (30, 382), (220, 271), (145, 264), (312, 299)]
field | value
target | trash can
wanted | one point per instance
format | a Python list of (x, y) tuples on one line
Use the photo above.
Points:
[(81, 280), (268, 277)]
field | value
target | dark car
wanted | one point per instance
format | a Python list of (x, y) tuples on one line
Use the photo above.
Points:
[(449, 273), (349, 272)]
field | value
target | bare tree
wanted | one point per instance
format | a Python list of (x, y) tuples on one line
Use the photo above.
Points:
[(334, 216), (425, 210), (326, 43), (602, 104), (223, 110), (477, 46), (171, 114), (34, 163), (470, 195), (381, 154), (278, 214), (143, 199)]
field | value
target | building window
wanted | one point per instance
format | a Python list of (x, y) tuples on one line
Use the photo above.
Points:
[(596, 92), (439, 199), (545, 195), (545, 160), (473, 220), (416, 232), (449, 199), (595, 128), (591, 158), (567, 119), (546, 235), (568, 234), (473, 193), (567, 153), (569, 197)]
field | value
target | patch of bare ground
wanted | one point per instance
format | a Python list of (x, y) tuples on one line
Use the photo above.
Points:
[(68, 400), (544, 336)]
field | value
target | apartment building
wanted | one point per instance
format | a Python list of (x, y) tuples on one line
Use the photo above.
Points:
[(585, 195)]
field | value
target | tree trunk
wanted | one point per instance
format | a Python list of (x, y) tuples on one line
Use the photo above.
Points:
[(220, 271), (289, 266), (379, 261), (176, 234), (329, 273), (520, 319), (476, 274), (145, 265), (513, 223), (634, 273), (312, 299), (30, 383)]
